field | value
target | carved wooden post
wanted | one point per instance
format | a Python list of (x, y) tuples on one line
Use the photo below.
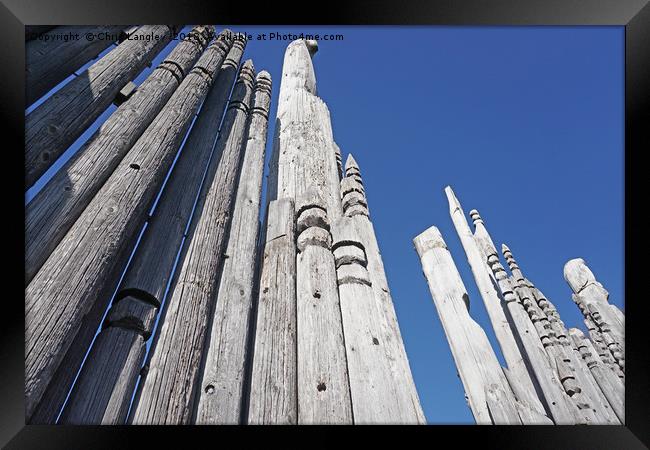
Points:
[(274, 388), (581, 386), (85, 267), (521, 381), (323, 384), (303, 148), (55, 208), (611, 386), (592, 297), (167, 392), (477, 364), (222, 382), (52, 127), (48, 60), (355, 205), (148, 274)]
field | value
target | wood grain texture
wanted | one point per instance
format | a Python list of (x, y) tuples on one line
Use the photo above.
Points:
[(85, 267), (55, 208), (168, 391), (323, 384), (221, 394), (273, 397), (303, 147), (522, 383), (55, 124), (50, 59), (151, 266), (478, 368), (355, 205)]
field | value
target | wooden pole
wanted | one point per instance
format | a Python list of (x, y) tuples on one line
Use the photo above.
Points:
[(323, 383), (522, 383), (274, 387), (148, 274), (592, 297), (54, 125), (51, 58), (303, 147), (355, 205), (51, 213), (221, 396), (477, 364), (168, 390), (531, 335), (86, 265), (611, 386)]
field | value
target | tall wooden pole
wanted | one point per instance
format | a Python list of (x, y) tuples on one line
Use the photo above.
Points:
[(144, 283), (168, 390), (323, 383), (85, 267), (54, 125), (592, 298), (303, 148), (51, 59), (221, 396), (521, 381), (51, 213), (477, 364), (355, 206), (274, 387)]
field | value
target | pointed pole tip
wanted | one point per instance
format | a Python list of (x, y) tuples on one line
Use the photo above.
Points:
[(351, 162)]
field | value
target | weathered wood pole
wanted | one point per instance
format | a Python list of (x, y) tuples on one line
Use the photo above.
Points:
[(478, 367), (274, 387), (611, 386), (52, 127), (372, 387), (592, 298), (323, 384), (96, 391), (51, 58), (557, 402), (521, 381), (303, 147), (355, 205), (57, 206), (221, 393), (86, 265), (168, 390), (583, 390)]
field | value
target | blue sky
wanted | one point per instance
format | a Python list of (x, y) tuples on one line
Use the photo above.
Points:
[(525, 123)]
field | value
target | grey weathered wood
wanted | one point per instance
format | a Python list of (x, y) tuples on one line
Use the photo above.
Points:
[(323, 384), (609, 383), (588, 398), (274, 389), (104, 388), (303, 147), (522, 383), (55, 124), (151, 267), (167, 392), (355, 205), (85, 266), (372, 384), (50, 59), (478, 367), (51, 213), (557, 402), (226, 350)]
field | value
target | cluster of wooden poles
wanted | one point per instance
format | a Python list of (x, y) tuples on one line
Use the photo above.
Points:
[(553, 375), (290, 322)]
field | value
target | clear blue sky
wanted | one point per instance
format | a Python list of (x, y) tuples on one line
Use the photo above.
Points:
[(526, 124)]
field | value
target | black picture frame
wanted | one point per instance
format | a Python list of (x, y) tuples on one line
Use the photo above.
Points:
[(634, 15)]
